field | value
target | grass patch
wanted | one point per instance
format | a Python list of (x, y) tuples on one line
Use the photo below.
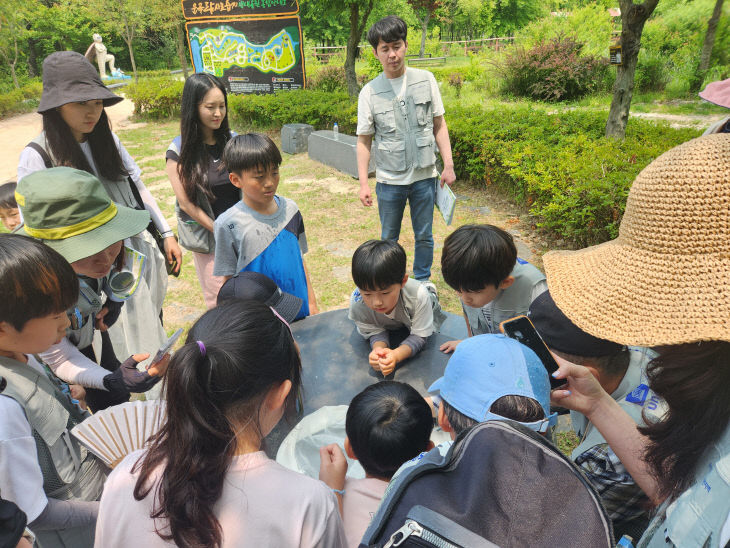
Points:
[(566, 442)]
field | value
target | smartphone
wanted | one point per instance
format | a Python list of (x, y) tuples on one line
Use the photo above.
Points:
[(522, 330), (165, 348)]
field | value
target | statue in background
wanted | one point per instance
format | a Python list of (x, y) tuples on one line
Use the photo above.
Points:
[(97, 51)]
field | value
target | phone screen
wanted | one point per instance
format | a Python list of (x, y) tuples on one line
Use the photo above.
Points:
[(522, 330)]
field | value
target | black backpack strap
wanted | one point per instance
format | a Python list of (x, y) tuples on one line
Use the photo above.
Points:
[(42, 152), (135, 193)]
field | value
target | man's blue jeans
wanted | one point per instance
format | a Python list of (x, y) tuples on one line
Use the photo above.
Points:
[(421, 196)]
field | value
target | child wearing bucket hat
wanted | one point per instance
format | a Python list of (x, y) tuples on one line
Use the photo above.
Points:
[(68, 210), (664, 283), (76, 133)]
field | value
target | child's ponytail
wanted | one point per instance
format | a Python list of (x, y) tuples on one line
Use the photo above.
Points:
[(233, 355)]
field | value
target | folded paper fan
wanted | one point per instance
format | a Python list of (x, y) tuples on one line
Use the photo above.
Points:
[(115, 432)]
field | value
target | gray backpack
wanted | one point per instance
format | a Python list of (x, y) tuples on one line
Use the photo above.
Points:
[(500, 484)]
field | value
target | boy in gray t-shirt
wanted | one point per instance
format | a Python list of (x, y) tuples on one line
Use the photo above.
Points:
[(263, 232), (385, 299)]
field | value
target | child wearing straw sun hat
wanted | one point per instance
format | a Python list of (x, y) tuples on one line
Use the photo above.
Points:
[(69, 211), (664, 283)]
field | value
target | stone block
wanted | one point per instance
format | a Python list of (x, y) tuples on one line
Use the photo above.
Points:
[(294, 137), (337, 151)]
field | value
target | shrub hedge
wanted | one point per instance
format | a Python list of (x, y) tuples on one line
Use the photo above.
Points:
[(318, 108), (156, 97), (573, 179), (24, 99)]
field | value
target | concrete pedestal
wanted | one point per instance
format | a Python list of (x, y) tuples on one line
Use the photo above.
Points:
[(294, 138), (336, 151)]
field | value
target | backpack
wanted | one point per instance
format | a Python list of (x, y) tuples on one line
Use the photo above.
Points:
[(500, 484)]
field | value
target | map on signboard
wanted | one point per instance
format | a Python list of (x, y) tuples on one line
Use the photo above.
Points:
[(222, 48), (249, 55), (195, 9)]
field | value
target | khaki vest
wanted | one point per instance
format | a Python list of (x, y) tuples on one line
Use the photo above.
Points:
[(633, 396), (69, 471), (403, 130), (696, 518), (83, 315)]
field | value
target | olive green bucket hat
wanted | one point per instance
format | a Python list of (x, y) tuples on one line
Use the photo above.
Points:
[(69, 211)]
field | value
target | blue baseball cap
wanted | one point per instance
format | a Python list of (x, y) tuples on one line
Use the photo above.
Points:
[(486, 367)]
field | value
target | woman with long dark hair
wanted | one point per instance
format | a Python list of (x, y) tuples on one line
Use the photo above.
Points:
[(204, 480), (664, 283), (77, 133), (201, 186)]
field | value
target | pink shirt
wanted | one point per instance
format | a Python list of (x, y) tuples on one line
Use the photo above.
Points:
[(262, 504), (361, 501)]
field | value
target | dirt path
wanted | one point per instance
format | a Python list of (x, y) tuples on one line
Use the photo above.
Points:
[(698, 121), (18, 131)]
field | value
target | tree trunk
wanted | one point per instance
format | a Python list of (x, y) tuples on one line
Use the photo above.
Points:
[(128, 37), (32, 60), (633, 18), (357, 25), (424, 31), (709, 40), (180, 45)]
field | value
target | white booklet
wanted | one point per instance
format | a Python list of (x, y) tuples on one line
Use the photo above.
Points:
[(445, 201)]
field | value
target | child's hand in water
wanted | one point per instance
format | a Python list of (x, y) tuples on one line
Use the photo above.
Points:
[(388, 360), (332, 466)]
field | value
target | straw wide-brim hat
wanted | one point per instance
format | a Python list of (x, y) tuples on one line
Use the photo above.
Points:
[(666, 279)]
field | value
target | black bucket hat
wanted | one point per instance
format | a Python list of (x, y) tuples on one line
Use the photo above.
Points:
[(258, 287), (68, 77)]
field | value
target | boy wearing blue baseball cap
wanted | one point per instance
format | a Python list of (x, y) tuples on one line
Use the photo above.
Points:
[(493, 377), (490, 377)]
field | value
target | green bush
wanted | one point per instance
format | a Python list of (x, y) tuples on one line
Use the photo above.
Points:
[(20, 100), (574, 180), (651, 72), (318, 108), (156, 97), (328, 78), (553, 70)]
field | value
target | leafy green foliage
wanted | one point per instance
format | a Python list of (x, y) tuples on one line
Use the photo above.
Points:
[(156, 97), (318, 108), (24, 99), (328, 78), (553, 70), (574, 180)]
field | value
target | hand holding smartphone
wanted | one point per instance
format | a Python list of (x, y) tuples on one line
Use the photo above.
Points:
[(167, 345), (521, 329)]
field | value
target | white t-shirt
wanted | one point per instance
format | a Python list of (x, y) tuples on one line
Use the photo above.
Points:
[(359, 504), (30, 161), (262, 504), (21, 479), (366, 125)]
